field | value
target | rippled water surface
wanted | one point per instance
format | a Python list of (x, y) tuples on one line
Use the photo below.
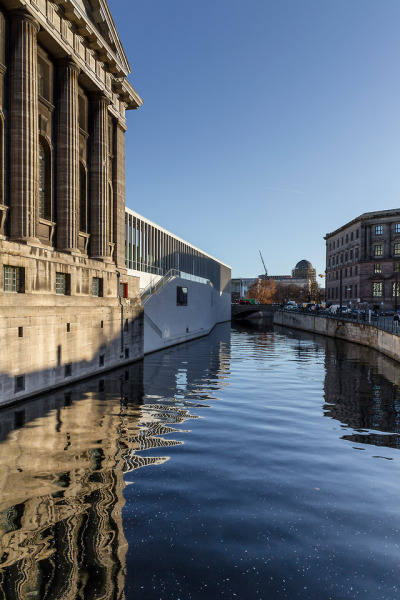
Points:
[(250, 464)]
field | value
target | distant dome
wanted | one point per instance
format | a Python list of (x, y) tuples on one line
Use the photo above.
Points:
[(304, 264), (304, 270)]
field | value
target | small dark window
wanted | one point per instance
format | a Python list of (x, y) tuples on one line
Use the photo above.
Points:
[(19, 419), (101, 385), (126, 375), (101, 324), (68, 327), (20, 332), (19, 383), (101, 360), (68, 370), (126, 352), (181, 296)]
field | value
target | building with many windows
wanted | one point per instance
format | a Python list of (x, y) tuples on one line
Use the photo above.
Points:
[(63, 96), (363, 261)]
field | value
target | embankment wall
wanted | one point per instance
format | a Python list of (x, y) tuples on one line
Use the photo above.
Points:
[(359, 333)]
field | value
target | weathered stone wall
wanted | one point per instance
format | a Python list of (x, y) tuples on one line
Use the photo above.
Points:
[(360, 333), (50, 339)]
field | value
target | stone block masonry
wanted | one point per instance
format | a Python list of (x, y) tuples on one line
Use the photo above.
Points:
[(359, 333), (50, 339)]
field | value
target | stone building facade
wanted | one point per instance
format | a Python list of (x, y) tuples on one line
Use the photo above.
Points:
[(67, 306), (363, 261)]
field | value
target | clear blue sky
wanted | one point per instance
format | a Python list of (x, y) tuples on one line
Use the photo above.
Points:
[(265, 123)]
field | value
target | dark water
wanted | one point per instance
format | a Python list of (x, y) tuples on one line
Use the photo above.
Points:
[(250, 464)]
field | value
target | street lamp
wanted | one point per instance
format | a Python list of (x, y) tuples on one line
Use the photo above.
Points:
[(341, 289)]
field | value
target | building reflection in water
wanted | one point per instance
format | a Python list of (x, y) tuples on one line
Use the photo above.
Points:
[(362, 391), (361, 388), (62, 462)]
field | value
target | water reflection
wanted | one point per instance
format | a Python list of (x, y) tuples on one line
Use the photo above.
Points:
[(62, 462), (361, 388), (362, 392)]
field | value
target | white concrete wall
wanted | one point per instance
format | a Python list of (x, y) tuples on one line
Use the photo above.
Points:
[(145, 278), (166, 323)]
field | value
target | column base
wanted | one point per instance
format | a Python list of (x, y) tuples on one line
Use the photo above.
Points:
[(70, 251), (105, 259), (27, 241)]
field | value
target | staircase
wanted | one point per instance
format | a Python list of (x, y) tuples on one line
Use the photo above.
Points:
[(154, 288)]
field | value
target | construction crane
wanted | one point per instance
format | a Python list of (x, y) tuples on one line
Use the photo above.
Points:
[(265, 268)]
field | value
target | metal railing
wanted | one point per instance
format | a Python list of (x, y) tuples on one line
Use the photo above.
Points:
[(385, 323), (154, 288)]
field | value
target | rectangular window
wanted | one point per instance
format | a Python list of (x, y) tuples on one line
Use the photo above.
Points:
[(181, 296), (347, 238), (357, 234), (377, 268), (352, 236), (377, 290), (397, 249), (356, 252), (19, 383), (14, 279), (397, 227), (396, 267), (378, 229), (398, 289), (355, 291), (378, 249), (97, 286), (62, 283), (357, 270)]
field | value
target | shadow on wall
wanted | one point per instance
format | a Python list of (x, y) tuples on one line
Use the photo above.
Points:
[(124, 347)]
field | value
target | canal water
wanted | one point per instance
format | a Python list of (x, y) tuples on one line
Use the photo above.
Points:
[(250, 464)]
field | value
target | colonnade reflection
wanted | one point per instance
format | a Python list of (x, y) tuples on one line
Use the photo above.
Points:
[(62, 462)]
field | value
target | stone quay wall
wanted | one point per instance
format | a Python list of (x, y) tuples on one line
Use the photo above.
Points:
[(359, 333), (51, 339)]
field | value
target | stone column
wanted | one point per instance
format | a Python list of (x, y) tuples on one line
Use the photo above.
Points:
[(99, 243), (68, 158), (24, 142), (119, 196)]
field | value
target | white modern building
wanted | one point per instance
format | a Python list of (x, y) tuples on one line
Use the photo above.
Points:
[(185, 292)]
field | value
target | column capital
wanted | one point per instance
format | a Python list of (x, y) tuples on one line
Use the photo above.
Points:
[(22, 14), (68, 63), (99, 97)]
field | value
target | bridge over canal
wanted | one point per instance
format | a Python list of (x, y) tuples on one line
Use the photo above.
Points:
[(244, 311)]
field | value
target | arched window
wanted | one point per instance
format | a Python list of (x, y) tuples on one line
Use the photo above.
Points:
[(44, 182), (83, 217)]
